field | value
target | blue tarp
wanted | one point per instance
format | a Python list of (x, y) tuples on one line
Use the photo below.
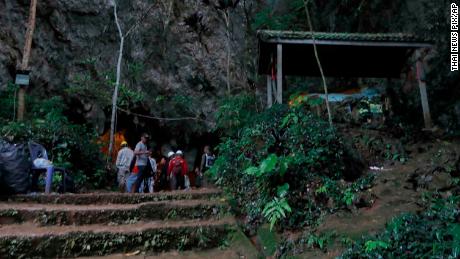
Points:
[(338, 97)]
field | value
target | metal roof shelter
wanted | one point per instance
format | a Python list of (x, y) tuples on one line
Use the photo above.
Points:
[(381, 55)]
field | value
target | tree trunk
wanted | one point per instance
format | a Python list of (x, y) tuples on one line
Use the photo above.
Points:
[(326, 94), (26, 55), (120, 58), (117, 85)]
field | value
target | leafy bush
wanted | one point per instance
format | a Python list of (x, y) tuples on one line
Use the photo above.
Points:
[(8, 103), (281, 15), (234, 112), (434, 233), (70, 146), (277, 160)]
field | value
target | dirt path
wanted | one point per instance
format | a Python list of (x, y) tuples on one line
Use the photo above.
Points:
[(394, 195), (393, 198)]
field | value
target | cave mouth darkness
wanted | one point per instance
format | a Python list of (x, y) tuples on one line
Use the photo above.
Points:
[(167, 136), (190, 136)]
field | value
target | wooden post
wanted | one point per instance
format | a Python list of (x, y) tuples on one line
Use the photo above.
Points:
[(423, 94), (425, 104), (279, 74), (26, 55), (269, 92)]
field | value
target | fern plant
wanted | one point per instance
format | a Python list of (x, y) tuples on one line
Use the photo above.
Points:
[(278, 208)]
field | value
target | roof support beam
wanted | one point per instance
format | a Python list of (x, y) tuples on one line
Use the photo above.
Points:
[(352, 43), (425, 105), (421, 77), (279, 74), (269, 91)]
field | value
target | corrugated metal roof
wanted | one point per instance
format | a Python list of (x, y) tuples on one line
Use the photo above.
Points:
[(270, 35)]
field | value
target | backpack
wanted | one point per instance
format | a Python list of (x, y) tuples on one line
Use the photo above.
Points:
[(177, 167), (209, 160)]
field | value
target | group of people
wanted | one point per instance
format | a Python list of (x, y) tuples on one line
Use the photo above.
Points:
[(139, 171)]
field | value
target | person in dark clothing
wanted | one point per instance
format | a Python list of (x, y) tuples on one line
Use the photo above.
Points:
[(164, 163), (207, 160)]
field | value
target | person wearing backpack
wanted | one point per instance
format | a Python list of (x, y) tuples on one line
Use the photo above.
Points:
[(177, 170), (207, 160)]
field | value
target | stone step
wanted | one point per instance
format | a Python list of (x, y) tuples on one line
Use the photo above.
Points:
[(65, 214), (237, 246), (27, 240), (112, 197)]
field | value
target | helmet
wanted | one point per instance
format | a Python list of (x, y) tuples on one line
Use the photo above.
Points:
[(179, 152), (170, 154), (124, 143)]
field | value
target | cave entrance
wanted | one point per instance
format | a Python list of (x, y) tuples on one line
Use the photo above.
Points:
[(188, 136)]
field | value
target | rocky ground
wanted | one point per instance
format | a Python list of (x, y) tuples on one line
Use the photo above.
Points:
[(398, 188)]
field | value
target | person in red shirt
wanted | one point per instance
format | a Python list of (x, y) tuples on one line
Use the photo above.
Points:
[(177, 169)]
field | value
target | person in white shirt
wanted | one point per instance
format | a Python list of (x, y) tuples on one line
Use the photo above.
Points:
[(124, 158), (142, 157)]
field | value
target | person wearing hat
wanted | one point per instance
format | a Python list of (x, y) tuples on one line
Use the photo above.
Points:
[(142, 160), (124, 157), (177, 170)]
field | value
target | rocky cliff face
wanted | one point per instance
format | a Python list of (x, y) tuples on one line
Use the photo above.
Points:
[(175, 61), (178, 52)]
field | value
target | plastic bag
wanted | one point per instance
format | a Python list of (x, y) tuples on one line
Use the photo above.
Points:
[(14, 169), (186, 182), (130, 181), (42, 163)]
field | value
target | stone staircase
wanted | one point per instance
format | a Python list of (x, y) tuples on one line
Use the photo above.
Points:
[(96, 224)]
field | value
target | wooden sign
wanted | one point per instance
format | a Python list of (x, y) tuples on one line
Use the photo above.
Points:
[(22, 77)]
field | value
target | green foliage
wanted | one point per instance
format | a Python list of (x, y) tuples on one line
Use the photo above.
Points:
[(278, 208), (8, 103), (184, 103), (268, 166), (320, 241), (99, 89), (85, 87), (433, 233), (289, 19), (280, 149), (69, 145), (233, 113), (348, 197), (374, 245)]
